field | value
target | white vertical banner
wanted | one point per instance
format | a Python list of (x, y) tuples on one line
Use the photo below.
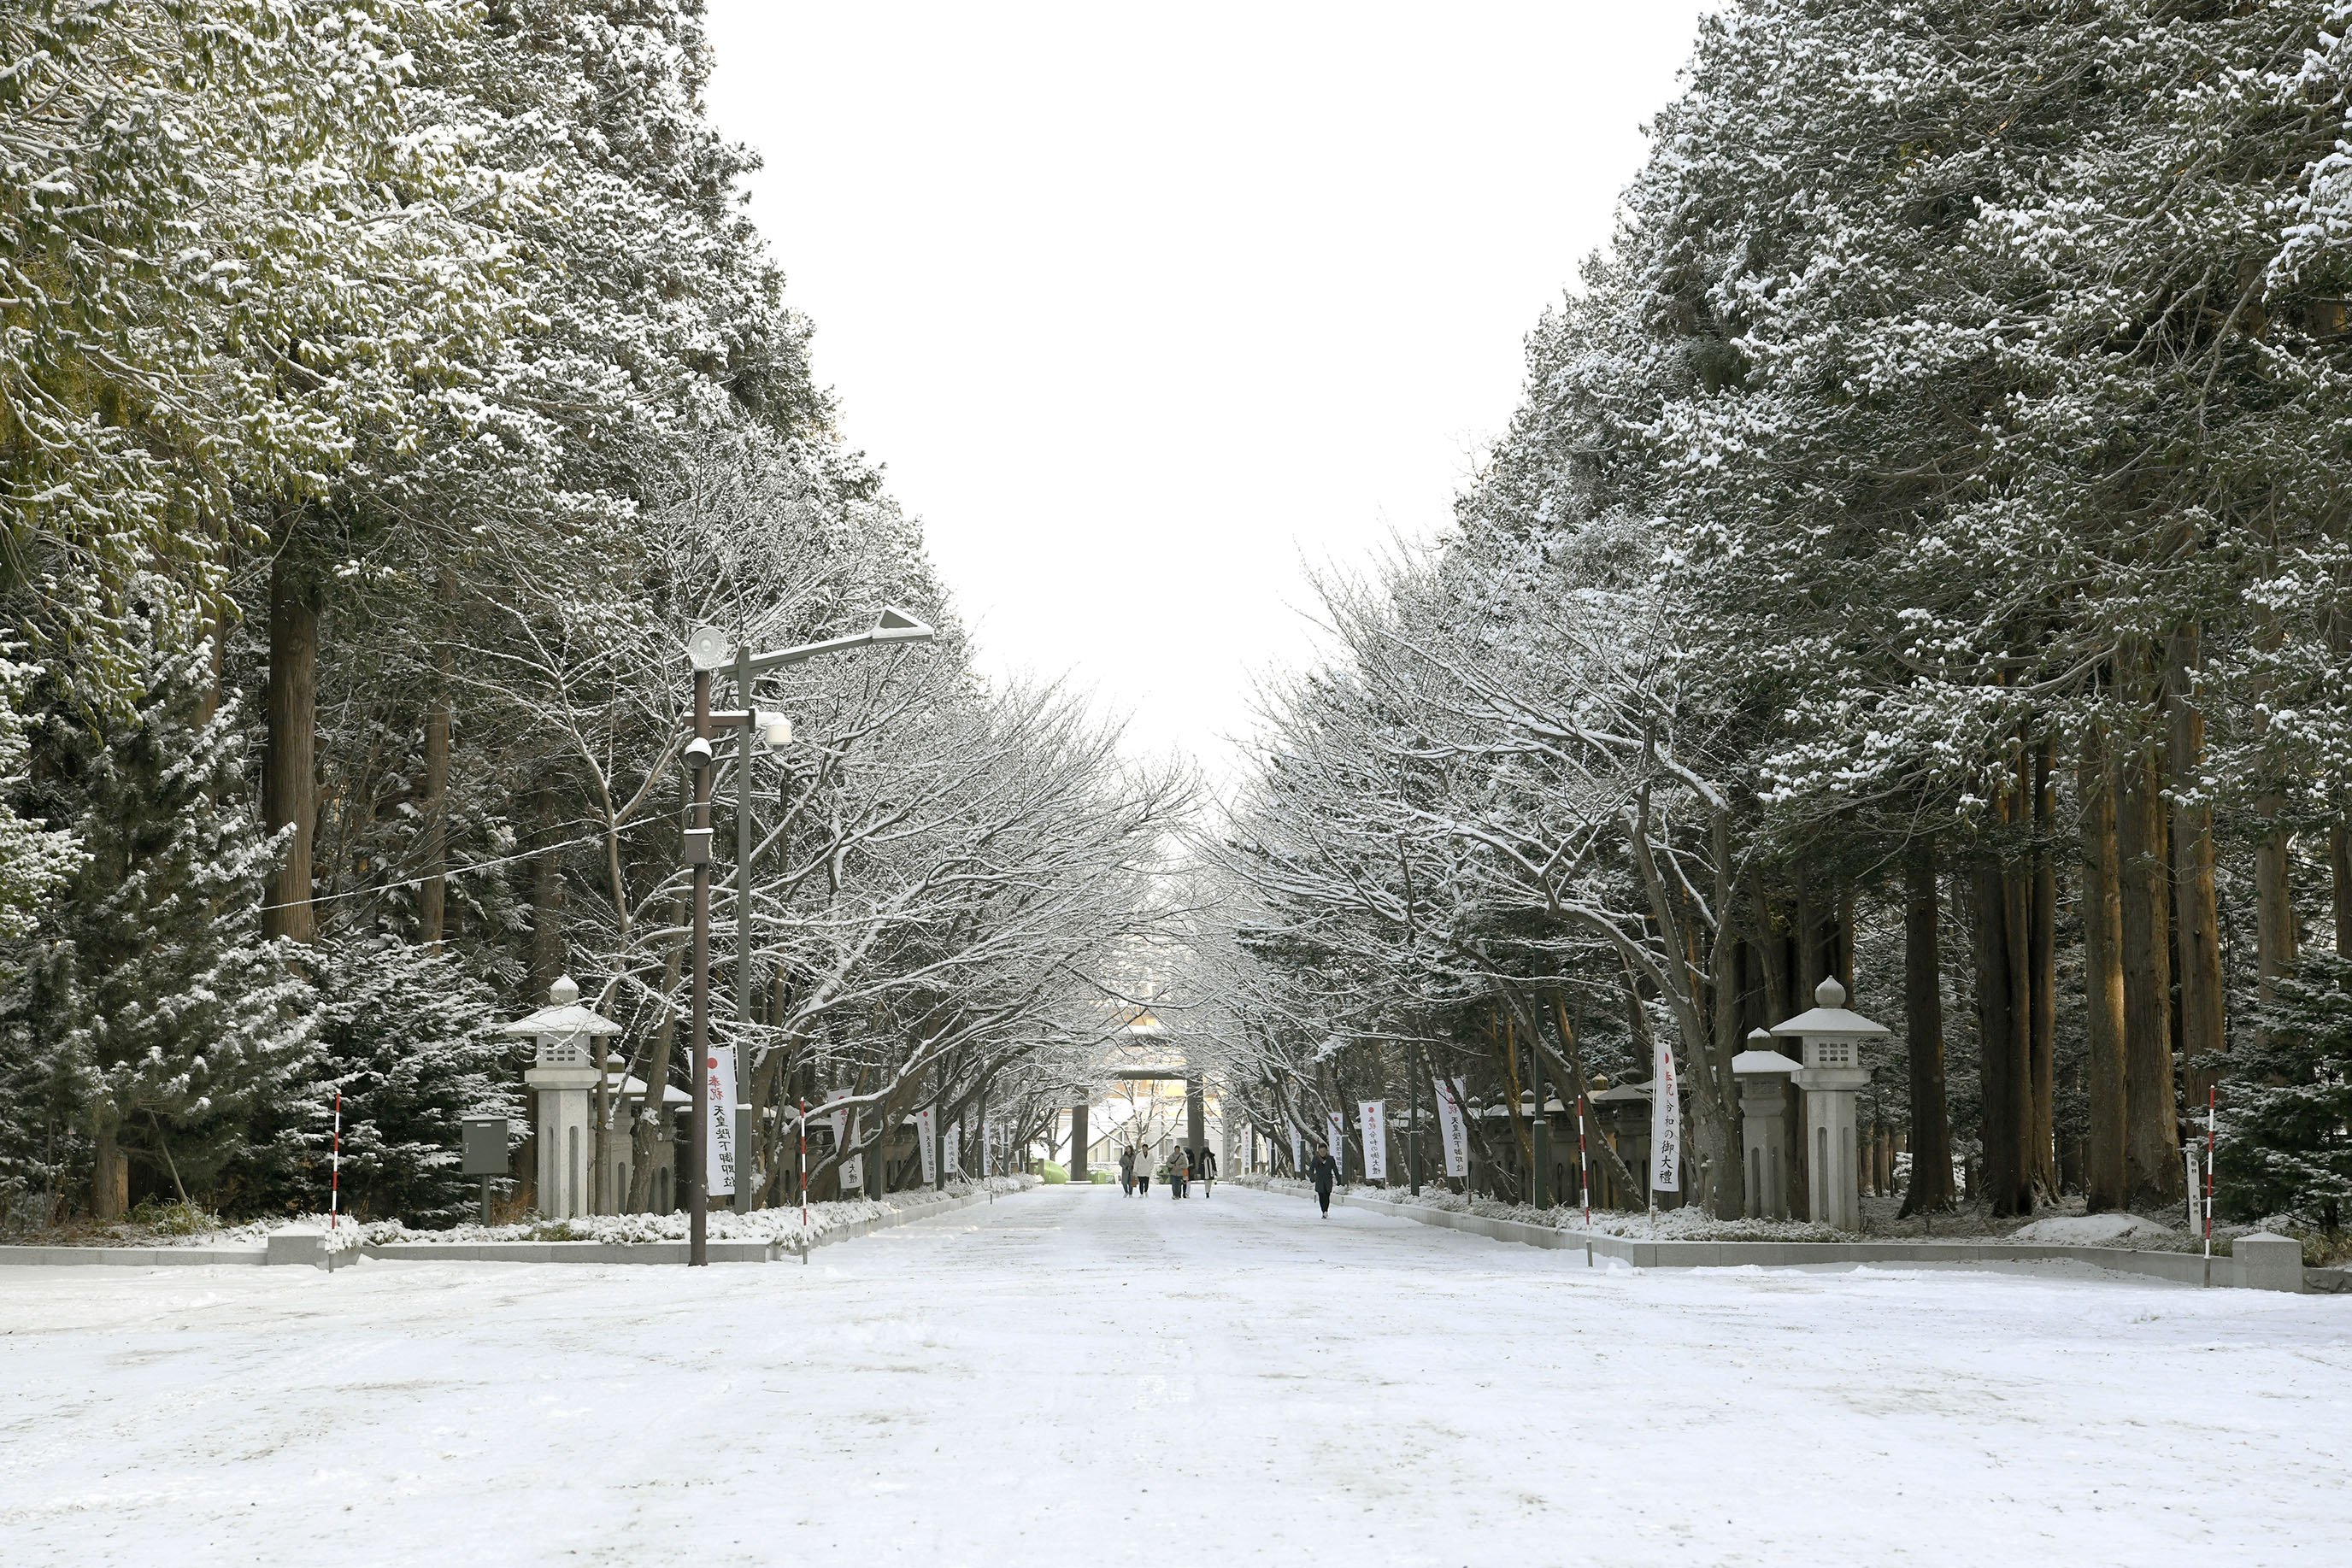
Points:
[(1376, 1138), (1338, 1131), (1297, 1155), (1450, 1125), (1665, 1125), (953, 1156), (852, 1168), (718, 1133), (926, 1125), (987, 1149)]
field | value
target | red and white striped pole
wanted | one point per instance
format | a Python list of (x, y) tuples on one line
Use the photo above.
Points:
[(335, 1170)]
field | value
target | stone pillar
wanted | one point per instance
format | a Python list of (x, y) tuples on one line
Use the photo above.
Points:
[(307, 1244), (1079, 1145), (1763, 1076), (2265, 1262), (1196, 1132), (567, 1139), (1764, 1140), (1832, 1180)]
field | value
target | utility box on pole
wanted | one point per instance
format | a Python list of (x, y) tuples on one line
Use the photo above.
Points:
[(482, 1152)]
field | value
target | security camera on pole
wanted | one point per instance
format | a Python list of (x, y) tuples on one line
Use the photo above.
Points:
[(708, 650)]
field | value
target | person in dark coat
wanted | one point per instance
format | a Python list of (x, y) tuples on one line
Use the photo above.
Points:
[(1127, 1172), (1323, 1173), (1208, 1173)]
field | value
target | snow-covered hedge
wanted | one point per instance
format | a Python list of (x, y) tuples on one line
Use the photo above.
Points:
[(778, 1226), (781, 1226)]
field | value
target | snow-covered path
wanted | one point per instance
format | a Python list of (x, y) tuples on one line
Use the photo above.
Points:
[(1069, 1378)]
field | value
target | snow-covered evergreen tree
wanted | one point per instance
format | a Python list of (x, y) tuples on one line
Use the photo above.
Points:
[(147, 1001), (407, 1038), (2286, 1145)]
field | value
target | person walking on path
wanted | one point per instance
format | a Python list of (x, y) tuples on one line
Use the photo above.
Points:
[(1208, 1173), (1323, 1173), (1176, 1172), (1142, 1175), (1127, 1172)]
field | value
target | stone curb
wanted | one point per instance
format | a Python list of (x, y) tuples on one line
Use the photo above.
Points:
[(2183, 1267), (134, 1257), (719, 1251)]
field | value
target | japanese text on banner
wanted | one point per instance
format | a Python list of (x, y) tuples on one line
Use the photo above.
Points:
[(718, 1147), (1450, 1124), (1665, 1125), (1374, 1113)]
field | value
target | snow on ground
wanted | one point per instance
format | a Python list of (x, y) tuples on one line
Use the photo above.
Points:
[(2093, 1230), (1070, 1376)]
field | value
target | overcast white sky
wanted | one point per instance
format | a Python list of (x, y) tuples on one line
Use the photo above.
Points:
[(1146, 309)]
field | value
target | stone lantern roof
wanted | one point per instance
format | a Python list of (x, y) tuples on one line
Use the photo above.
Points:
[(564, 1027), (1828, 1019), (1759, 1056)]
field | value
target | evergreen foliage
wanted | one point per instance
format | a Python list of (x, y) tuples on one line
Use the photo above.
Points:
[(421, 357), (1949, 447), (409, 1043), (145, 988), (2285, 1135)]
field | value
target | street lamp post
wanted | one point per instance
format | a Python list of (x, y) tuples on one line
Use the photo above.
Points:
[(708, 651)]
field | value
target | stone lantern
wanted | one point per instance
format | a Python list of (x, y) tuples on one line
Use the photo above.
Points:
[(567, 1065), (1764, 1125), (1832, 1074)]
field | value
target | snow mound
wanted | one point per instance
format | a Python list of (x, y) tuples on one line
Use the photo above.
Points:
[(2089, 1229)]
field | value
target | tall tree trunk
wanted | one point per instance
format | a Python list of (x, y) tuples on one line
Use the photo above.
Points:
[(2276, 942), (1772, 957), (2276, 939), (2105, 1185), (2041, 974), (289, 791), (2339, 863), (1805, 974), (1923, 1006), (2151, 1138), (433, 893), (2000, 956), (547, 935), (109, 1187), (1812, 920), (2198, 913), (1714, 1109), (1842, 940)]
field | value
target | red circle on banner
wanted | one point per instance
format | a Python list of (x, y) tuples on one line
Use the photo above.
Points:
[(712, 1064)]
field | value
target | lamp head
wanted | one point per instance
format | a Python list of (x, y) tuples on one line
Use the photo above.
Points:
[(706, 648), (697, 753), (775, 731), (896, 626)]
